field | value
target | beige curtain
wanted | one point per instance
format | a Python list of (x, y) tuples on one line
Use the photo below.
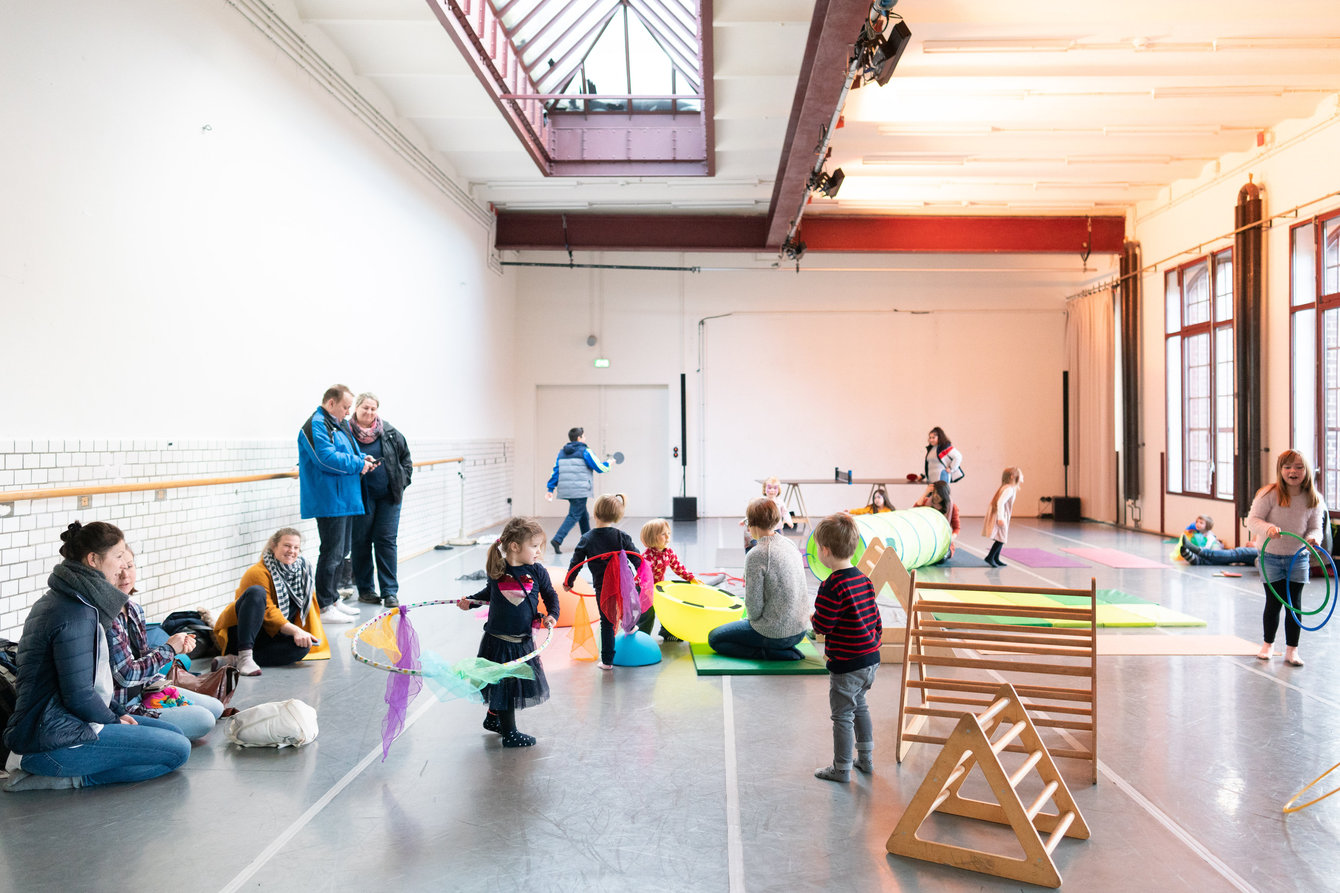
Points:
[(1091, 359)]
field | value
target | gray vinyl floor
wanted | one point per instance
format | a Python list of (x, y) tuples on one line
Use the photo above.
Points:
[(657, 779)]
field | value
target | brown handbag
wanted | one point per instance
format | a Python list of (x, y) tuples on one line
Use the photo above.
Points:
[(220, 683)]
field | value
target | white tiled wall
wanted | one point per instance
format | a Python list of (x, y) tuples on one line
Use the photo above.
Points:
[(193, 545)]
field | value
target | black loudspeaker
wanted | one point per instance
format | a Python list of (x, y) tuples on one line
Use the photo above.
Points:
[(1065, 508), (686, 508)]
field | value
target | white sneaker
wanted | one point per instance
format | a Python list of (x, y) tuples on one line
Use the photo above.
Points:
[(347, 609), (333, 614)]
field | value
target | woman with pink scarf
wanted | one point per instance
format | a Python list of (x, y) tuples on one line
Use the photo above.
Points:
[(375, 532)]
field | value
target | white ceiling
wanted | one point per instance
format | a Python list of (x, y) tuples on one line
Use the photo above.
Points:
[(1028, 107)]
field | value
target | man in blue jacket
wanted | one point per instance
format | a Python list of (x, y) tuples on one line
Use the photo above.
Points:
[(573, 480), (329, 465)]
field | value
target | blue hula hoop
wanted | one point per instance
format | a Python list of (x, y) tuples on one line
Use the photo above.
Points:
[(1288, 607)]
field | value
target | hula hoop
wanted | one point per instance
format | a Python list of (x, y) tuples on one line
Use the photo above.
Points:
[(1289, 807), (1299, 614), (353, 647)]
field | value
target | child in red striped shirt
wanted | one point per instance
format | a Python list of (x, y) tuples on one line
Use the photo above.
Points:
[(846, 614)]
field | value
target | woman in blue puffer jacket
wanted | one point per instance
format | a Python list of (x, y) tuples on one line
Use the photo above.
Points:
[(66, 731)]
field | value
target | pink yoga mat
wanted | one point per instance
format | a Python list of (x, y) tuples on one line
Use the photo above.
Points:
[(1114, 558), (1042, 558)]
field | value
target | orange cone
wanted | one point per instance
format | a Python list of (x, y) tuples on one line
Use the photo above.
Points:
[(584, 645)]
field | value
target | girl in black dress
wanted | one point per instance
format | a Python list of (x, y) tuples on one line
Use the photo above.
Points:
[(517, 582)]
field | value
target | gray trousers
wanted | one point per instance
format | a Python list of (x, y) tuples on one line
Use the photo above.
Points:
[(852, 728)]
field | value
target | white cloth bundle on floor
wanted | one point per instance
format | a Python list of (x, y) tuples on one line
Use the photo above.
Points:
[(290, 723)]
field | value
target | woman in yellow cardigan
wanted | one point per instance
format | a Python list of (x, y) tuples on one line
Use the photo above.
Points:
[(879, 502), (274, 620)]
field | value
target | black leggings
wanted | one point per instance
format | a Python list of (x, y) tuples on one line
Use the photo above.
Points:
[(1270, 619), (266, 650)]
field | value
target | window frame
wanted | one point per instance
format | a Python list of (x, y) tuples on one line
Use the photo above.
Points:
[(1317, 302), (1197, 425)]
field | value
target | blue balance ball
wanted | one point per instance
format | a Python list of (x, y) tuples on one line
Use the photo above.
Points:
[(636, 649)]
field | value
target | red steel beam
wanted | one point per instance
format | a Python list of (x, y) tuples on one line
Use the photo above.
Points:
[(522, 231), (948, 235), (519, 231), (833, 31)]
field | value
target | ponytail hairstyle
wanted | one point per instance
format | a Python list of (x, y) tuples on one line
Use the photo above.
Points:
[(516, 532), (82, 540)]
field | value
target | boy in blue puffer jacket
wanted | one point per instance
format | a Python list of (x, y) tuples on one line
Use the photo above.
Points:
[(573, 480)]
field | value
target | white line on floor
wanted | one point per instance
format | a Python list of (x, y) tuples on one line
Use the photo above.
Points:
[(734, 844), (1227, 873), (1157, 814), (1289, 685), (315, 809)]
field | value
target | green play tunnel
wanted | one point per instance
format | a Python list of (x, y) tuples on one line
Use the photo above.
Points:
[(918, 536)]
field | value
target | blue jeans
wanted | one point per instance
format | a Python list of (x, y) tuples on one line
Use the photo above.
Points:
[(1242, 555), (194, 720), (333, 533), (122, 753), (851, 716), (740, 639), (576, 515), (375, 531)]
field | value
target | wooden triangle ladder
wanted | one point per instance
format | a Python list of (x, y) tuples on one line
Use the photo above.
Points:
[(969, 745)]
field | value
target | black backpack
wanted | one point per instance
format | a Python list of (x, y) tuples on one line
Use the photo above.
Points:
[(195, 623), (9, 689)]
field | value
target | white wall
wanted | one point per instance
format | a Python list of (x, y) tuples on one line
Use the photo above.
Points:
[(1297, 167), (196, 239), (814, 370)]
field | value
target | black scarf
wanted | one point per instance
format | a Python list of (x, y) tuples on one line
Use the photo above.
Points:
[(293, 585), (78, 579)]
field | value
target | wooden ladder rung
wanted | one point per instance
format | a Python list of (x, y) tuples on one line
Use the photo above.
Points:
[(1004, 741), (1029, 763), (1062, 825), (1046, 795), (989, 713)]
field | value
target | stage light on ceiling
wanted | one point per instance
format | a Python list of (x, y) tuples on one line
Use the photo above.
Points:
[(830, 184)]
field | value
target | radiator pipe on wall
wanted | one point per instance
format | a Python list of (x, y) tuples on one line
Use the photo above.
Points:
[(1247, 276)]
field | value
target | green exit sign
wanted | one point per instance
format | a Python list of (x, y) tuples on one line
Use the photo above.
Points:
[(602, 363)]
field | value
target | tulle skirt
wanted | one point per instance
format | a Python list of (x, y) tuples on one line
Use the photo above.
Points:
[(512, 693)]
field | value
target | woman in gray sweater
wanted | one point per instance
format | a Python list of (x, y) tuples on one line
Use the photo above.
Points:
[(774, 595), (1292, 505)]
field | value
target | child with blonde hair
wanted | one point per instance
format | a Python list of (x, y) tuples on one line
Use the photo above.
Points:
[(517, 582), (603, 539), (996, 527)]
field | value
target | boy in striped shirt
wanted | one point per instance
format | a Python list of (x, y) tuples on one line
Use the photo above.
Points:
[(845, 612)]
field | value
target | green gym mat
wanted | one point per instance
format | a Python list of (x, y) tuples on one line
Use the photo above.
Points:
[(708, 663), (1115, 609)]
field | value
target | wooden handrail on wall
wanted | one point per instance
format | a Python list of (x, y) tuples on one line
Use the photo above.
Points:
[(143, 486)]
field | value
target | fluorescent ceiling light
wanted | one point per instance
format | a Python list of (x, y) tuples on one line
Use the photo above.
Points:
[(915, 158), (1277, 43), (1170, 129), (935, 129), (1008, 45), (714, 203), (1227, 91), (1126, 159)]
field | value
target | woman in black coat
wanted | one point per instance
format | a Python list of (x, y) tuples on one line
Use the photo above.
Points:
[(67, 730), (377, 529)]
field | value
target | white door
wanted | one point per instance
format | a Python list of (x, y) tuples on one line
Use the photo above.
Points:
[(632, 419)]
